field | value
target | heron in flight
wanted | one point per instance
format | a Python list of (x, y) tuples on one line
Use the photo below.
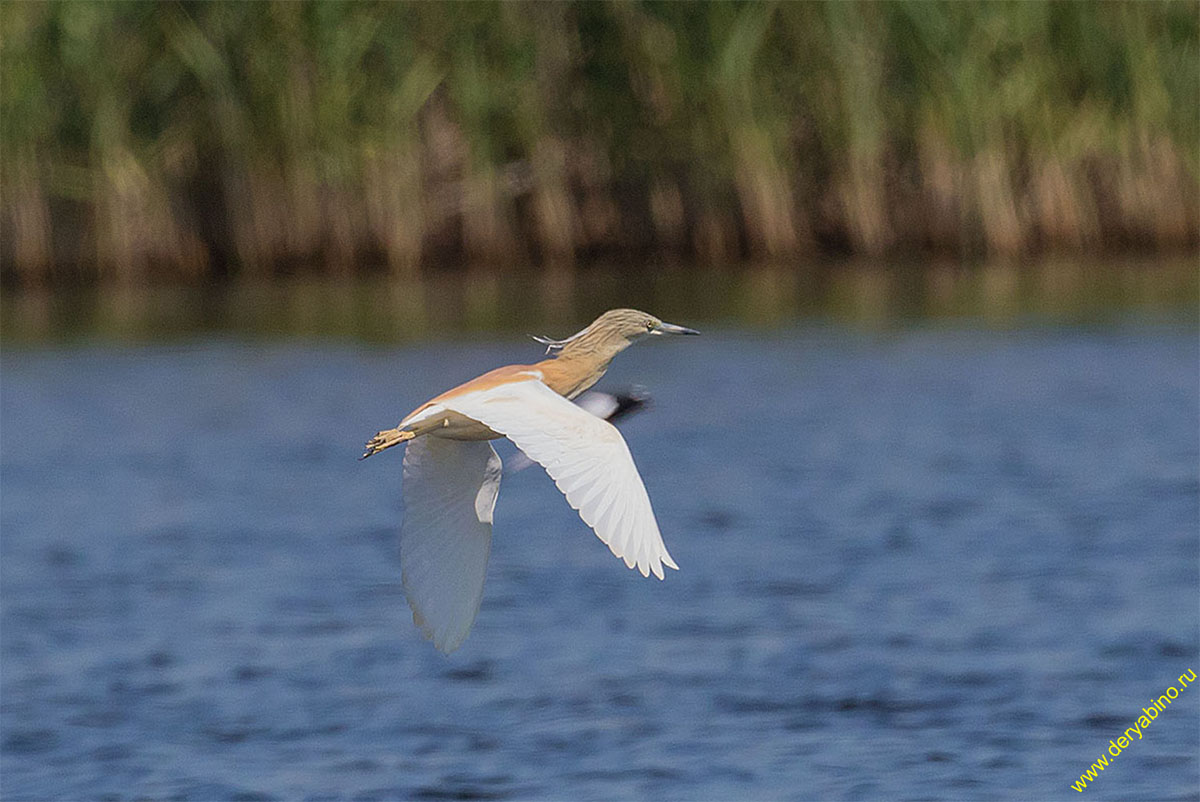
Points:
[(452, 474)]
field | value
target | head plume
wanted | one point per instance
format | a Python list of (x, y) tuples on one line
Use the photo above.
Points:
[(554, 346), (613, 331)]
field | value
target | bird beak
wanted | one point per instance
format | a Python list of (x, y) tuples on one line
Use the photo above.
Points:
[(671, 328)]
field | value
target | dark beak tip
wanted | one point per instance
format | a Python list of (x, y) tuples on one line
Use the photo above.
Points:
[(671, 328)]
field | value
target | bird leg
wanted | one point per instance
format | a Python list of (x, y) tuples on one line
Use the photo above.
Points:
[(386, 439)]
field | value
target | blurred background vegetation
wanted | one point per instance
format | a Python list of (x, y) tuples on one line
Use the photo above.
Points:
[(182, 142)]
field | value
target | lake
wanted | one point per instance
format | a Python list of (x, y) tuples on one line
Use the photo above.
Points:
[(926, 562)]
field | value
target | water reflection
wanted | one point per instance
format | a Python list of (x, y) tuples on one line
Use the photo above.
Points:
[(383, 310)]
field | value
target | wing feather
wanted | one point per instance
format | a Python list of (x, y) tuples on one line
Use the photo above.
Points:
[(585, 456), (450, 489)]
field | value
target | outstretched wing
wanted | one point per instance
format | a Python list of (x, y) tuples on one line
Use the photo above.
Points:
[(586, 457), (450, 489)]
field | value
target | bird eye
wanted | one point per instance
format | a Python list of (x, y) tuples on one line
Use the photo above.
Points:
[(649, 325)]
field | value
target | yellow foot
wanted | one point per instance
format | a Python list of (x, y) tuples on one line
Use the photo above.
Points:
[(386, 439)]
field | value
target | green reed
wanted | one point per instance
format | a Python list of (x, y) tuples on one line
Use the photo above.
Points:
[(182, 142)]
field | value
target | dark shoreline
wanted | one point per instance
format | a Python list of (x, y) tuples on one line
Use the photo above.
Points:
[(380, 309)]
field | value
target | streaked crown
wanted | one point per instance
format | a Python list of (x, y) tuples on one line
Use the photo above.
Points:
[(608, 334)]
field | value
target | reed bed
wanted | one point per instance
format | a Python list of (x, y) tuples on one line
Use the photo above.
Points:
[(146, 143)]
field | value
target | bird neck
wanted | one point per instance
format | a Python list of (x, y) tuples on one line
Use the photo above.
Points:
[(572, 372)]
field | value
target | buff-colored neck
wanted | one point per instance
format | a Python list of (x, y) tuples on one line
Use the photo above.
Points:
[(579, 361), (577, 367)]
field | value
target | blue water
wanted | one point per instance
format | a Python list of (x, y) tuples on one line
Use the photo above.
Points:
[(922, 565)]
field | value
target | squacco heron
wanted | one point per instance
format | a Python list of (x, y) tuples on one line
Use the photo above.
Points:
[(452, 474)]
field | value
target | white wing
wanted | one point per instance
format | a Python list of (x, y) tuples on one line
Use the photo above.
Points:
[(450, 489), (586, 457), (600, 404)]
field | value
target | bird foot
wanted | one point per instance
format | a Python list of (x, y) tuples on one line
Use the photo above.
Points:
[(384, 440)]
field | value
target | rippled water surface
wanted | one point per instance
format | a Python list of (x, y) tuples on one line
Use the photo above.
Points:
[(931, 564)]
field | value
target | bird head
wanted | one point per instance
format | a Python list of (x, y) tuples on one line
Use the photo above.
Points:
[(613, 332)]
